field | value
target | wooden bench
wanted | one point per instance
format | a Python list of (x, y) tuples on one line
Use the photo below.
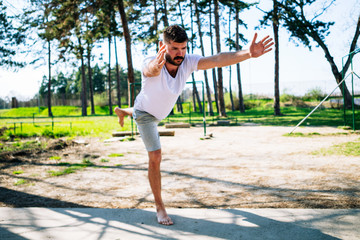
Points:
[(128, 133), (177, 125)]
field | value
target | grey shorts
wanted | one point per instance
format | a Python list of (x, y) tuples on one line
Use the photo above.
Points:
[(147, 125)]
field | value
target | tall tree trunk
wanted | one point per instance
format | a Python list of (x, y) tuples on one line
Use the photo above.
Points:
[(109, 77), (90, 80), (218, 48), (208, 92), (131, 78), (179, 101), (49, 83), (212, 53), (275, 22), (83, 82), (118, 86), (196, 96), (166, 21), (241, 99), (230, 67), (156, 25)]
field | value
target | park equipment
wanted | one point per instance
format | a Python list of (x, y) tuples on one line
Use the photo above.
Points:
[(131, 105), (203, 105), (35, 123), (352, 74)]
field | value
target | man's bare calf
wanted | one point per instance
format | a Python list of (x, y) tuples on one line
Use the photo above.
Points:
[(155, 184), (121, 113)]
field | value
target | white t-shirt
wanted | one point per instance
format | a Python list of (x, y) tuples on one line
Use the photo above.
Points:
[(158, 94)]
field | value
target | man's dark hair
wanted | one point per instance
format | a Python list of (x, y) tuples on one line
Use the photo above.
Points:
[(175, 33)]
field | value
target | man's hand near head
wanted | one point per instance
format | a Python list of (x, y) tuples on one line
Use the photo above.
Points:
[(154, 67)]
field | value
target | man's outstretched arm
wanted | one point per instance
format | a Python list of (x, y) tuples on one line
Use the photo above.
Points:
[(229, 58)]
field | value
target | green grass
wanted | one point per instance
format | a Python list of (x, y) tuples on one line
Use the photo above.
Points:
[(57, 111), (71, 168), (55, 158), (20, 145), (344, 149), (80, 126), (20, 182), (116, 155), (18, 172), (102, 126)]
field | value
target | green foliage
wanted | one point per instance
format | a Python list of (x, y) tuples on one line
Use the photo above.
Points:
[(315, 94), (10, 36), (18, 172), (55, 158)]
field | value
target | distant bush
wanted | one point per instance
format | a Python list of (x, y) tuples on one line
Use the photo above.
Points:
[(314, 94)]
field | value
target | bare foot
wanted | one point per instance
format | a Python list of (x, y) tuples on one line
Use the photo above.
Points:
[(163, 218), (121, 114)]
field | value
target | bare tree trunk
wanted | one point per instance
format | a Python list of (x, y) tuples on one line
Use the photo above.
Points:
[(83, 83), (196, 96), (276, 40), (166, 21), (127, 37), (212, 53), (208, 92), (230, 67), (179, 100), (241, 99), (118, 86), (90, 81), (156, 25), (218, 47), (109, 77), (49, 83)]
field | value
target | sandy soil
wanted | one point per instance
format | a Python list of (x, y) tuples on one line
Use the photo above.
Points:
[(240, 167)]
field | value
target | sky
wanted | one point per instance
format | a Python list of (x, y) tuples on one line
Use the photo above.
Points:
[(300, 69)]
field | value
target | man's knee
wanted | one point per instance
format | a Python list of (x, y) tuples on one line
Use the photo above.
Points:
[(155, 157)]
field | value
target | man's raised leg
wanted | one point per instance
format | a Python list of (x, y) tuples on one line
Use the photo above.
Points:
[(155, 183), (123, 112)]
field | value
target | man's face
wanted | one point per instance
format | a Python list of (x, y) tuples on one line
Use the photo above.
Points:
[(175, 52)]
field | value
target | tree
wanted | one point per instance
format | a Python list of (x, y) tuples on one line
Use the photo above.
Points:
[(212, 53), (9, 37), (200, 32), (275, 23), (69, 31), (38, 19), (127, 37), (230, 67), (238, 73), (305, 28), (219, 70)]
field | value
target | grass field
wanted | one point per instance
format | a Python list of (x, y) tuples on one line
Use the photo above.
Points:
[(68, 120)]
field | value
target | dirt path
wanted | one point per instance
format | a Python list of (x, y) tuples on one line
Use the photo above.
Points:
[(247, 166)]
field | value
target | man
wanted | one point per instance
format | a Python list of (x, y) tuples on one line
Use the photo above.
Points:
[(163, 79)]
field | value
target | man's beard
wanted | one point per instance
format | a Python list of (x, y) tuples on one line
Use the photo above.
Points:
[(172, 61)]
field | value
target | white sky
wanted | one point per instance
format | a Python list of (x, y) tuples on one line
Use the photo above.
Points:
[(300, 69)]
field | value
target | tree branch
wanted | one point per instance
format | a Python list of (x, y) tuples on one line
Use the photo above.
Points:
[(352, 46), (323, 10)]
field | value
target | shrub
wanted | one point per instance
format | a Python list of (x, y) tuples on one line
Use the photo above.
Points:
[(314, 94)]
